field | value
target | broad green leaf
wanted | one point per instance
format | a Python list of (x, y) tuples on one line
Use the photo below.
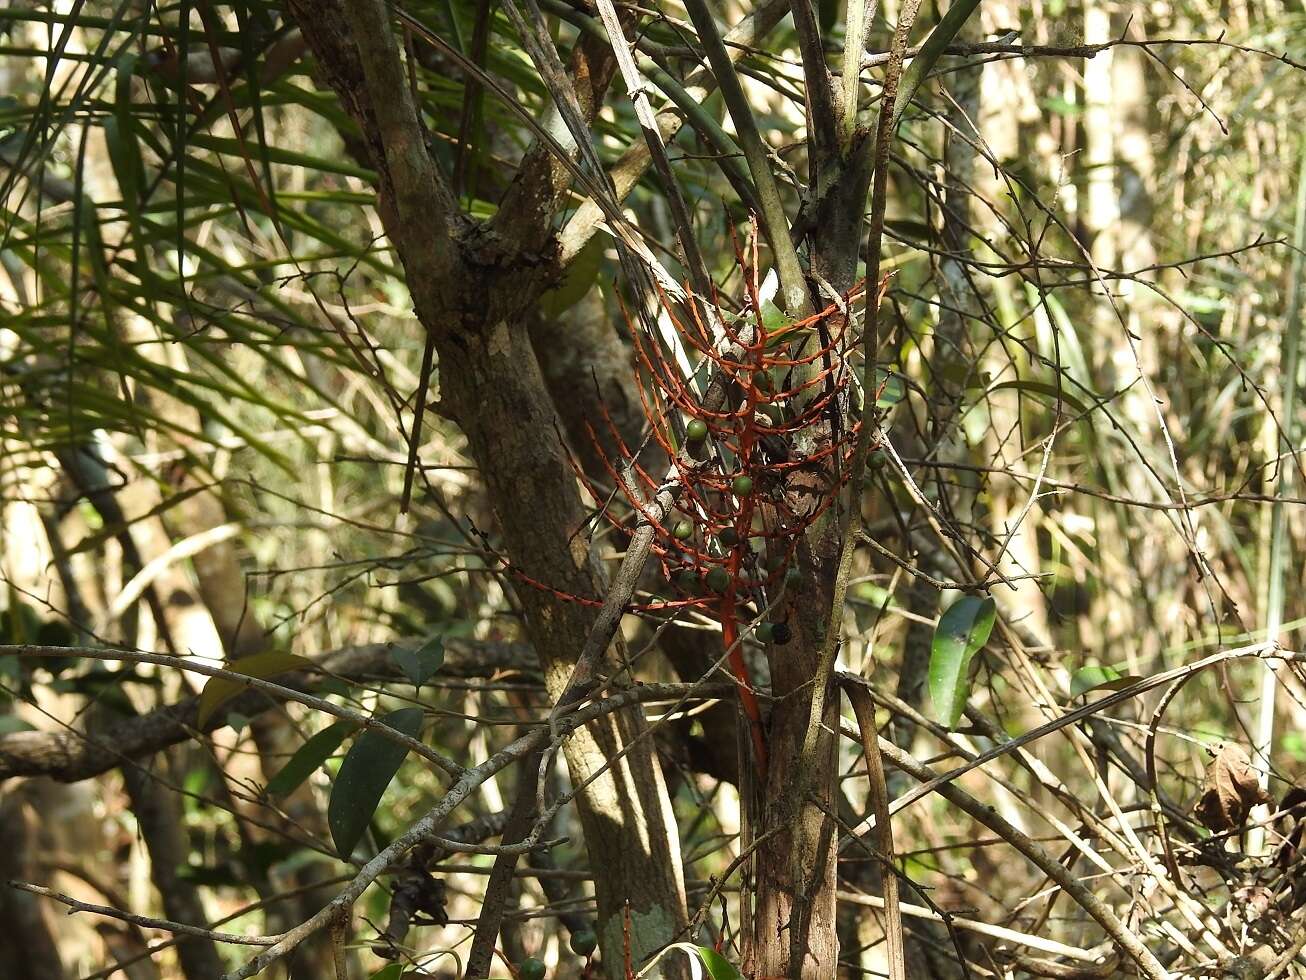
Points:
[(963, 629), (367, 770), (219, 690), (1099, 678), (718, 967), (773, 318), (421, 664), (576, 281), (308, 758), (394, 971)]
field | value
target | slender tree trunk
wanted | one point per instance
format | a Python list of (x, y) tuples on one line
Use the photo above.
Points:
[(159, 818), (29, 949), (470, 285), (794, 927), (493, 388), (794, 910)]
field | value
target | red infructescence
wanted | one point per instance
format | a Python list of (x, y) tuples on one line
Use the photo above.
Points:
[(708, 499), (759, 472), (754, 441)]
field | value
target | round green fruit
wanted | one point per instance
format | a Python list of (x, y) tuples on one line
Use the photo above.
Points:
[(696, 430), (781, 634), (765, 633), (718, 580), (683, 531), (742, 485), (878, 460), (531, 969), (728, 537), (584, 942)]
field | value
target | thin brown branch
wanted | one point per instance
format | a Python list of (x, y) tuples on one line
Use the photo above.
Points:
[(454, 797), (1129, 943), (70, 755), (144, 921), (860, 699)]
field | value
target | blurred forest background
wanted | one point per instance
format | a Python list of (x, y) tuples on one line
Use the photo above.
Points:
[(327, 328)]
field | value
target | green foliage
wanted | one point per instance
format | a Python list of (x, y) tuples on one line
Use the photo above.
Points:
[(369, 766), (963, 629), (309, 757), (577, 283), (1099, 678), (214, 303), (421, 664), (718, 967), (262, 666)]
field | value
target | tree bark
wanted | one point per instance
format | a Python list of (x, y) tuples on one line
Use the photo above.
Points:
[(471, 284), (493, 388), (794, 927), (159, 818), (29, 949)]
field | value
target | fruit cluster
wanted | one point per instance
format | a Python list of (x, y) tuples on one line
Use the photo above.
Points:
[(753, 475)]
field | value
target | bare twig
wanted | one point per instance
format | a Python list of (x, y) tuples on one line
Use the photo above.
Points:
[(1134, 947), (144, 921), (456, 795), (280, 691), (860, 699)]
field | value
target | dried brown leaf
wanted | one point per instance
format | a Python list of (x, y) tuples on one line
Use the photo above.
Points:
[(1232, 789)]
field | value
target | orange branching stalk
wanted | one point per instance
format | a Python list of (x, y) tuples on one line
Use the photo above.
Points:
[(730, 542)]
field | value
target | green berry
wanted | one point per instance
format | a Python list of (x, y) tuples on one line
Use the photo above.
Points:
[(728, 537), (531, 969), (781, 634), (718, 580), (584, 942), (878, 460), (765, 633), (686, 580), (696, 430), (742, 485), (683, 531)]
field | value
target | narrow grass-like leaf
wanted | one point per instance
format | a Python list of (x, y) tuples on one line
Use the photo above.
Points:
[(1042, 389)]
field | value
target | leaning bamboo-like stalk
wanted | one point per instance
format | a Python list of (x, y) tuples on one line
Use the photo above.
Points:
[(1286, 442)]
